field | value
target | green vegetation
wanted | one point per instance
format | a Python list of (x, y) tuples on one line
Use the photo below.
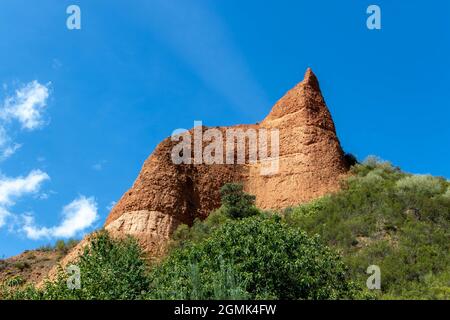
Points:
[(109, 269), (60, 246), (263, 256), (21, 265), (319, 250), (236, 203), (15, 281), (385, 217)]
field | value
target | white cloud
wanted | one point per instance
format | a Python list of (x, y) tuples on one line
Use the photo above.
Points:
[(8, 151), (4, 138), (78, 215), (27, 105), (4, 214), (12, 189), (7, 147)]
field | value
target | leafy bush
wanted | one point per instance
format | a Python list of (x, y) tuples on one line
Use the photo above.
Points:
[(385, 217), (382, 216), (64, 247), (236, 204), (15, 281), (45, 248), (446, 195), (21, 265), (432, 287), (60, 246), (200, 230), (109, 269), (257, 257), (424, 185)]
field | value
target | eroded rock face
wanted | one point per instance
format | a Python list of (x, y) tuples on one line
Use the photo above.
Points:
[(311, 163)]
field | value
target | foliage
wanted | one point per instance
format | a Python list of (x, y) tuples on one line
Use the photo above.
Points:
[(263, 258), (21, 265), (398, 221), (432, 287), (64, 247), (350, 159), (60, 246), (109, 269), (319, 250), (200, 230), (236, 203), (15, 281)]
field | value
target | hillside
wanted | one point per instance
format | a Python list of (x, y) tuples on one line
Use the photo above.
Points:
[(33, 266), (318, 250)]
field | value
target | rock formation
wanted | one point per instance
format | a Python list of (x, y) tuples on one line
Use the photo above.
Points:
[(165, 194)]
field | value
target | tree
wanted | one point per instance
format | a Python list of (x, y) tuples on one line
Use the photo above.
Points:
[(236, 203), (259, 257)]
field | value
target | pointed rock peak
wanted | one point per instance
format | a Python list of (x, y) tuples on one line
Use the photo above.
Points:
[(306, 95), (310, 79)]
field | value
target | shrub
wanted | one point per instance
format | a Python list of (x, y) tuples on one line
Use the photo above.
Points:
[(110, 269), (60, 245), (45, 248), (424, 185), (236, 203), (15, 281), (22, 265), (446, 195), (350, 159), (200, 229), (261, 258), (385, 217), (3, 264)]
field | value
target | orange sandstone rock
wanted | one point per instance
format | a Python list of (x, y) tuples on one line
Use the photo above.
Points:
[(165, 195)]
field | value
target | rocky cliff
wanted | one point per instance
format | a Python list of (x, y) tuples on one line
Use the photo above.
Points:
[(309, 164)]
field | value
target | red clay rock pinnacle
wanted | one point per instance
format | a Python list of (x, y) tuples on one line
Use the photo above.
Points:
[(311, 163)]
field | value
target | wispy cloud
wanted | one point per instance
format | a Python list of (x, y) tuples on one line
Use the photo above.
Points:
[(26, 106), (7, 147), (78, 216), (9, 150), (11, 189), (98, 166), (4, 214), (201, 39)]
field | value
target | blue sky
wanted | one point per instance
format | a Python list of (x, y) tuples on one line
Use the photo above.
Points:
[(82, 109)]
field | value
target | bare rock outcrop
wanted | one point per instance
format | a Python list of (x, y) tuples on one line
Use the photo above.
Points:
[(310, 164)]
